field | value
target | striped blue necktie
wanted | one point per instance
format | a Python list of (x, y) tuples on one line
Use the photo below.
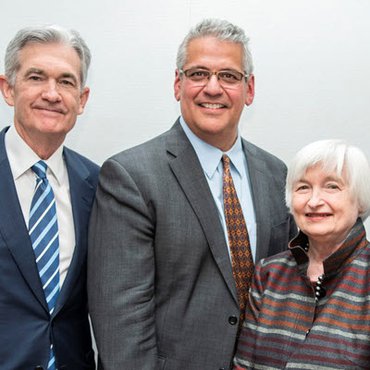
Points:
[(43, 231)]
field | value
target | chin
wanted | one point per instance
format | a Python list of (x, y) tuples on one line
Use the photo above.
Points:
[(55, 127), (316, 230)]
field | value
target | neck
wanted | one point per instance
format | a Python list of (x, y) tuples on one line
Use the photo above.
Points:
[(42, 144), (222, 143), (45, 149), (320, 251)]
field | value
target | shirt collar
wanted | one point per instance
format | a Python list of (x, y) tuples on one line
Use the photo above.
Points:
[(236, 155), (22, 157), (210, 156)]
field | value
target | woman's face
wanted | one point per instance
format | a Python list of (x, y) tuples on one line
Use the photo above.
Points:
[(323, 206)]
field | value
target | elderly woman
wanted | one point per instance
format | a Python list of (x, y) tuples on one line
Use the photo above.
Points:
[(309, 307)]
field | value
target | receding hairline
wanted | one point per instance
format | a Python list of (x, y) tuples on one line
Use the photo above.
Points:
[(222, 30)]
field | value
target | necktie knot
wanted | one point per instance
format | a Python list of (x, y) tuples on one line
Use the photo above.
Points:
[(225, 161), (39, 169)]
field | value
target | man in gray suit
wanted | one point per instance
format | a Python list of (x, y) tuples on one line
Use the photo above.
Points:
[(160, 281)]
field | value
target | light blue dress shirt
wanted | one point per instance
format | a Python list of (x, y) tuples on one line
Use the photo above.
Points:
[(210, 160)]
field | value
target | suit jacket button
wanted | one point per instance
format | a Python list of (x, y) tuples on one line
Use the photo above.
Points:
[(233, 320)]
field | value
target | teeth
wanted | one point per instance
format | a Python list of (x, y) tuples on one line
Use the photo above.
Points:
[(317, 215), (212, 106)]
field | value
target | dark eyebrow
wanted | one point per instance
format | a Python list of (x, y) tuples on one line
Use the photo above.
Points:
[(199, 67), (208, 69)]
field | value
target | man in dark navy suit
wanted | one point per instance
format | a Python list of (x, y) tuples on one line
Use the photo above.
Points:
[(45, 75)]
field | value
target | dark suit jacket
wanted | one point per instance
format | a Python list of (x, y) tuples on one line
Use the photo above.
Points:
[(160, 284), (25, 323)]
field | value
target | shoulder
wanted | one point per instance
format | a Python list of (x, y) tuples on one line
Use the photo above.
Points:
[(82, 163), (277, 261), (262, 163), (153, 154), (275, 266), (139, 166), (144, 151), (270, 159), (278, 258)]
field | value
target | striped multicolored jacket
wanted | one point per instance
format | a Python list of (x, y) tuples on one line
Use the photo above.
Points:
[(287, 328)]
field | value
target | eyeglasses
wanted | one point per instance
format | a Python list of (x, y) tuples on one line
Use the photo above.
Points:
[(227, 78)]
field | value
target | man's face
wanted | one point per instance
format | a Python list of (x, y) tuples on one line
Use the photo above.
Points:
[(47, 95), (212, 112)]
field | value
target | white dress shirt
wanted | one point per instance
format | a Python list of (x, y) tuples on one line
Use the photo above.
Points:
[(210, 160), (21, 158)]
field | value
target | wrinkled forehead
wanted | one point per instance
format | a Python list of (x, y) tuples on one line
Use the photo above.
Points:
[(50, 55)]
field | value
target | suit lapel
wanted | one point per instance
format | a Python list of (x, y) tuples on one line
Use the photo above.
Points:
[(188, 172), (82, 193), (13, 228), (259, 188)]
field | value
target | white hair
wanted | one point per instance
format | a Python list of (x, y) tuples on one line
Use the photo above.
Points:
[(334, 156)]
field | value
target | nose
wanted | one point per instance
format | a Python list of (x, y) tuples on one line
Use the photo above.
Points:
[(51, 92), (213, 86), (315, 198)]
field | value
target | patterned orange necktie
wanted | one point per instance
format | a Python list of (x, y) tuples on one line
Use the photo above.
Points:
[(241, 255)]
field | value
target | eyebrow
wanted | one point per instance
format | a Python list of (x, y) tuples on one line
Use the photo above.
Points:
[(42, 73), (327, 178), (34, 70), (209, 69), (71, 76)]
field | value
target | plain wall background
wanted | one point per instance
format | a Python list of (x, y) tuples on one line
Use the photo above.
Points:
[(311, 57)]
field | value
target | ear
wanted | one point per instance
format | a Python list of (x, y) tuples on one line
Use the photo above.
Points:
[(177, 85), (7, 90), (250, 90), (84, 96)]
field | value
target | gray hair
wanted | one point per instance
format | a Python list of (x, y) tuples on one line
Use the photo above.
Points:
[(222, 30), (44, 35), (334, 155)]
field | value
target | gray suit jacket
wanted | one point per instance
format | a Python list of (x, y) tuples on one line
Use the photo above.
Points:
[(160, 284)]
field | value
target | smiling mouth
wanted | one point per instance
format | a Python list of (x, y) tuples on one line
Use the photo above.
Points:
[(50, 110), (318, 214), (212, 106)]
